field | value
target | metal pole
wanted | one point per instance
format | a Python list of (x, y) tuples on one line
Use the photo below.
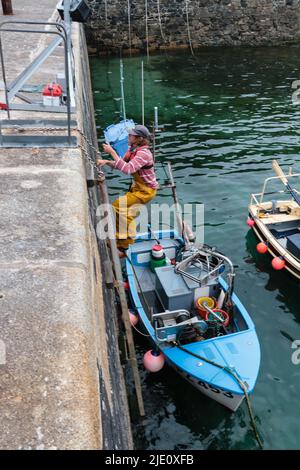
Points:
[(7, 7), (122, 89), (4, 77), (67, 20), (143, 96), (68, 90), (156, 118)]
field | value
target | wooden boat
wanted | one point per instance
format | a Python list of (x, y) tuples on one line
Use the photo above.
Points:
[(276, 222), (221, 361)]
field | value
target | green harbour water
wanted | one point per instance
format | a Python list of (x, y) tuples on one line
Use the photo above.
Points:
[(226, 113)]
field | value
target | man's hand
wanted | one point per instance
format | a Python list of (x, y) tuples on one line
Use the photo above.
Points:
[(108, 148), (100, 162)]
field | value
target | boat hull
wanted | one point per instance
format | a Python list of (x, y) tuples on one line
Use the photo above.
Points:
[(228, 399), (239, 351), (292, 266)]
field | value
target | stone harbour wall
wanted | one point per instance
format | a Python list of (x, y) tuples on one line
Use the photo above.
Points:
[(210, 22)]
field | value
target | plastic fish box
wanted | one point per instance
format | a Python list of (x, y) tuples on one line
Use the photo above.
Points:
[(172, 290)]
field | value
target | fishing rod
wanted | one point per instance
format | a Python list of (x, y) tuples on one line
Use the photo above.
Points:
[(153, 235), (185, 230), (187, 234)]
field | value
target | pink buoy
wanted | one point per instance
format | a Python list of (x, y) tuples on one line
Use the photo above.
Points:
[(153, 361), (262, 248), (250, 222), (133, 318), (278, 263)]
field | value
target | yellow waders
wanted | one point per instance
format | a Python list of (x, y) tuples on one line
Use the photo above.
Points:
[(126, 210)]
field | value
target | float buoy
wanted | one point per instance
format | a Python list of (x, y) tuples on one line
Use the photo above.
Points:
[(158, 257), (250, 222), (262, 248), (126, 285), (278, 263), (133, 318), (153, 361)]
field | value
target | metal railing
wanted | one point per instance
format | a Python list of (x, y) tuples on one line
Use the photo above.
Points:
[(12, 89), (258, 198)]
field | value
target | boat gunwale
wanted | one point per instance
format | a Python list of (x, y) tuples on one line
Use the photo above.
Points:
[(264, 234)]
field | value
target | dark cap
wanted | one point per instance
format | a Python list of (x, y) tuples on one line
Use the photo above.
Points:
[(140, 131)]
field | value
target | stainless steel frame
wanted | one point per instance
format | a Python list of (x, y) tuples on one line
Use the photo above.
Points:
[(255, 196), (11, 90)]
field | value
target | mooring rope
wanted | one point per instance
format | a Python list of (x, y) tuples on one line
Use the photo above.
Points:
[(129, 26), (230, 371), (188, 26), (159, 21), (105, 9), (147, 31)]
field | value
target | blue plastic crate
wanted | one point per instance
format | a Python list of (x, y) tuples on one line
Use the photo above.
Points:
[(117, 136)]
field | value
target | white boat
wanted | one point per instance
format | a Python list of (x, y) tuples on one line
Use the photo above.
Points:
[(276, 221)]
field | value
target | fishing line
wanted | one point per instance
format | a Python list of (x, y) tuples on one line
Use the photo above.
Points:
[(105, 9), (147, 32), (159, 21), (129, 26), (188, 27)]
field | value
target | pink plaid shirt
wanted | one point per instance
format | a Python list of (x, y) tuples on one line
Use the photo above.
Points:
[(141, 158)]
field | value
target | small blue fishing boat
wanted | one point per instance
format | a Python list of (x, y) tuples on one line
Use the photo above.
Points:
[(192, 315)]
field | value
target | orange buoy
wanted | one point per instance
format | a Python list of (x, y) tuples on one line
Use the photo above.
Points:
[(153, 361), (250, 222), (262, 248), (221, 313), (278, 263)]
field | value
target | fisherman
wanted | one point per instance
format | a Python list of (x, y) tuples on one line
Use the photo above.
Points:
[(138, 162)]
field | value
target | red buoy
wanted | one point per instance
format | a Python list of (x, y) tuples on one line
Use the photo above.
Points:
[(126, 285), (262, 248), (278, 263), (250, 222), (133, 318), (221, 313), (153, 361)]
